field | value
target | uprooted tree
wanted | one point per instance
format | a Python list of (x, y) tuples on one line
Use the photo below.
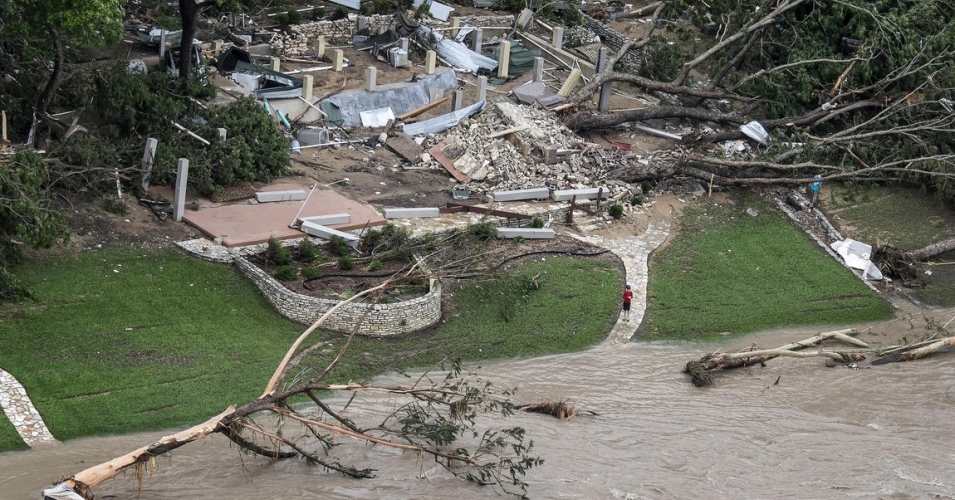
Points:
[(850, 89), (436, 418)]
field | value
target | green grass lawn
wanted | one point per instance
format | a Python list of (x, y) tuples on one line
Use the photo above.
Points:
[(731, 272), (9, 439), (125, 340)]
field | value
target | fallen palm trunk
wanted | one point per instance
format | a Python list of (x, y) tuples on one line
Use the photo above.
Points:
[(560, 409), (699, 370)]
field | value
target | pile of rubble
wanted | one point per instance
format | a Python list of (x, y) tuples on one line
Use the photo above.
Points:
[(510, 147)]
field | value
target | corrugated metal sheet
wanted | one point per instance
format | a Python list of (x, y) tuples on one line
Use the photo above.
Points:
[(351, 4), (456, 53), (333, 114), (443, 122), (485, 4)]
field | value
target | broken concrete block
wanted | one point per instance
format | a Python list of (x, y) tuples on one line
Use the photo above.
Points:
[(522, 194), (581, 194), (326, 233), (327, 220), (272, 196), (526, 232), (411, 213)]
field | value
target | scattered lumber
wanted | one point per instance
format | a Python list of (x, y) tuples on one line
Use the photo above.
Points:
[(422, 109), (916, 351)]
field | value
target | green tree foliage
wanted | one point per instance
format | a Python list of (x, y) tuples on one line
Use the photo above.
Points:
[(27, 218)]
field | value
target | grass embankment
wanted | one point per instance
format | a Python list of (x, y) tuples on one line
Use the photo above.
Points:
[(124, 340), (731, 272), (905, 218)]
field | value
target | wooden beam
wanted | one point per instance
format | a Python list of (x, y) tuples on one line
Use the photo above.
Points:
[(422, 109)]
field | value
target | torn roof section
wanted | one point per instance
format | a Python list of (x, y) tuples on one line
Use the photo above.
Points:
[(401, 97), (272, 84)]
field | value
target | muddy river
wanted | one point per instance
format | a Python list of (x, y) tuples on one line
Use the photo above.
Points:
[(882, 432)]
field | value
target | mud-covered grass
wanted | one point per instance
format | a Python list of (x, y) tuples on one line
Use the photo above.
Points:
[(728, 272), (125, 340), (906, 218)]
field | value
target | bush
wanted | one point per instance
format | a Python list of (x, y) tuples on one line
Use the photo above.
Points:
[(285, 273), (113, 206), (636, 200), (538, 223), (318, 13), (338, 246), (346, 263), (646, 186), (311, 272), (382, 6), (294, 17), (276, 253), (616, 211), (308, 251), (482, 230), (375, 265), (282, 19)]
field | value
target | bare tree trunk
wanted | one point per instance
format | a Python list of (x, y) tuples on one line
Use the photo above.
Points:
[(54, 82), (933, 249), (189, 12)]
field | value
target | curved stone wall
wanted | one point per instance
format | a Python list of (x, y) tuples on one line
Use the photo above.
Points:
[(383, 320)]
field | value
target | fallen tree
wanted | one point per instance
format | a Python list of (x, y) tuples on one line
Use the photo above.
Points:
[(435, 418), (701, 370)]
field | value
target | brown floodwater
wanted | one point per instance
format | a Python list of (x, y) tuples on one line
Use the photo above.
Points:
[(881, 432)]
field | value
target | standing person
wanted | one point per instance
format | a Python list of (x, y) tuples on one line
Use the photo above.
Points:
[(627, 297), (814, 189)]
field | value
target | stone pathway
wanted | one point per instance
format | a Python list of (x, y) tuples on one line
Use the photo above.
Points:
[(634, 251), (19, 409)]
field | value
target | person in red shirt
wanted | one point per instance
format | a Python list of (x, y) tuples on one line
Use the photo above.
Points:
[(627, 297)]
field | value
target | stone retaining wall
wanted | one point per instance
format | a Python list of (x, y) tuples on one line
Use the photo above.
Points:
[(383, 320), (613, 40)]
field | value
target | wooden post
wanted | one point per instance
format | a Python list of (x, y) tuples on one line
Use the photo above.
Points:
[(570, 213), (569, 83), (149, 154), (3, 120), (600, 193), (455, 25)]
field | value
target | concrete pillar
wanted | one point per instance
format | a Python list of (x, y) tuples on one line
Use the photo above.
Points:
[(429, 59), (538, 69), (457, 100), (371, 74), (276, 64), (505, 57), (403, 44), (603, 104), (455, 26), (362, 22), (570, 83), (162, 43), (307, 84), (338, 58), (216, 48), (179, 205), (478, 40), (481, 88), (557, 38), (3, 115), (223, 134), (149, 154), (320, 47)]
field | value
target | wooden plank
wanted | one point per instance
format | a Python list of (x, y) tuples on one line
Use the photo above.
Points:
[(447, 163), (422, 109), (487, 211), (405, 147), (508, 131)]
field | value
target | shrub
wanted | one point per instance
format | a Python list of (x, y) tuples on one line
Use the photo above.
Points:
[(311, 272), (282, 19), (538, 223), (382, 6), (636, 200), (616, 211), (345, 263), (646, 186), (276, 253), (308, 251), (364, 10), (285, 273), (294, 17), (375, 265), (338, 246), (482, 230), (318, 13), (117, 207)]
